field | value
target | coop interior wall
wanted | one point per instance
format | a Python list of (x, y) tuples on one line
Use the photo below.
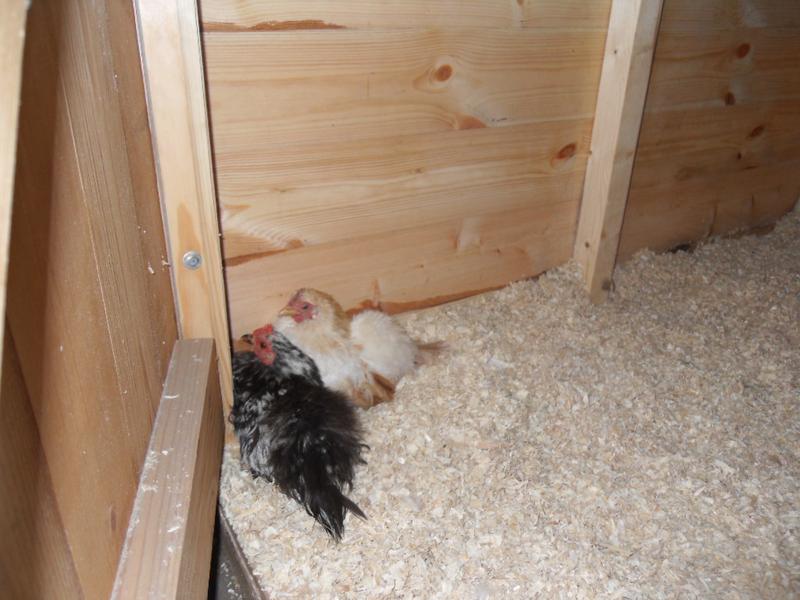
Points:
[(90, 320), (402, 155), (718, 150)]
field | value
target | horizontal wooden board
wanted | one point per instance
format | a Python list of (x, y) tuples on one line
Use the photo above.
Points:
[(281, 15), (674, 213), (409, 269), (267, 90), (705, 16), (720, 138), (678, 146), (339, 191), (724, 68)]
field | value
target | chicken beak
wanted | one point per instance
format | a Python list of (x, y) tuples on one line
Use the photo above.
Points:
[(288, 311)]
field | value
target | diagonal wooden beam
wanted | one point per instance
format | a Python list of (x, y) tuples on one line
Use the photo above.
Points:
[(169, 38), (167, 551), (632, 32)]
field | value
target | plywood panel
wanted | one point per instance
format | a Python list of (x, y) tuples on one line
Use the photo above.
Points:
[(282, 15), (12, 37), (354, 159), (36, 559), (719, 140), (87, 289)]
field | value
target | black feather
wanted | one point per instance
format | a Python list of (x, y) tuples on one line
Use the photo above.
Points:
[(295, 432)]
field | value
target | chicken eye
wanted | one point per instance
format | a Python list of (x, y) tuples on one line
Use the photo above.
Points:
[(305, 306), (263, 345)]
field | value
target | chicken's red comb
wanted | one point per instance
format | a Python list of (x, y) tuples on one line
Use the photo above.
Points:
[(265, 330)]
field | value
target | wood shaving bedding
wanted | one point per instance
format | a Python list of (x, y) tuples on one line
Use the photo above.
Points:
[(645, 448)]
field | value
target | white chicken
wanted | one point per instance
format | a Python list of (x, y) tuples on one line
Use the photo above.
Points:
[(363, 357)]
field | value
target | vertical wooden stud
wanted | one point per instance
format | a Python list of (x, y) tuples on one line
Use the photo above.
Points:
[(632, 32), (173, 72), (12, 38)]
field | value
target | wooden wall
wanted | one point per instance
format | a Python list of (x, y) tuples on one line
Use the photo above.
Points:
[(398, 153), (720, 140), (90, 314)]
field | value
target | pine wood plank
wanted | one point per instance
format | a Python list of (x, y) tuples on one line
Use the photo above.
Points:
[(36, 558), (410, 268), (674, 213), (724, 68), (633, 27), (348, 190), (318, 86), (718, 145), (173, 66), (167, 551), (714, 15), (706, 142), (12, 42), (282, 15)]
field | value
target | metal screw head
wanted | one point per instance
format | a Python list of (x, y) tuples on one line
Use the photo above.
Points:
[(192, 260)]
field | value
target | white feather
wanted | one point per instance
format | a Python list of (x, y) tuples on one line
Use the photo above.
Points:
[(337, 359), (385, 347)]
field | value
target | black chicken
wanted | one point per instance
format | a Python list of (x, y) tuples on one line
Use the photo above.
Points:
[(295, 432)]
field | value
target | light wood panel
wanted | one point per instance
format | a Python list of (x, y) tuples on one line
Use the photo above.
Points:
[(89, 302), (282, 15), (12, 38), (723, 15), (36, 560), (284, 88), (168, 546), (173, 63), (724, 68), (419, 153), (679, 212), (719, 140), (411, 268), (346, 190), (632, 31)]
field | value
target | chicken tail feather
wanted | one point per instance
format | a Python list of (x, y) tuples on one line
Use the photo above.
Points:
[(428, 352), (315, 454)]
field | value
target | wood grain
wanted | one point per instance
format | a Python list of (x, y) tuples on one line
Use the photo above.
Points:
[(36, 560), (718, 149), (632, 32), (82, 278), (705, 17), (12, 41), (173, 65), (283, 15), (385, 139), (168, 546), (741, 66), (347, 190), (318, 86), (410, 268)]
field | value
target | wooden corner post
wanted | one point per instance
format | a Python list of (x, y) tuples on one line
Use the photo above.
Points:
[(632, 32), (169, 40)]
